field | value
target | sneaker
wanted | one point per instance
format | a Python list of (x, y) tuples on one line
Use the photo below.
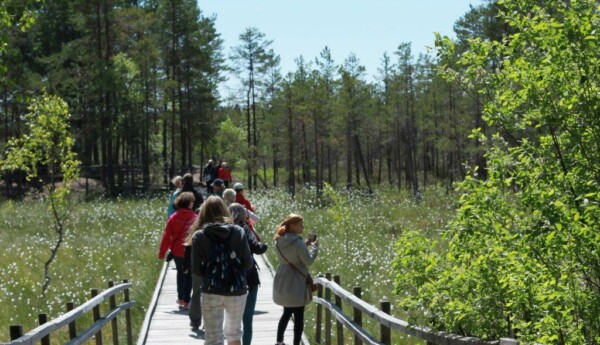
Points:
[(195, 325), (185, 305), (179, 302)]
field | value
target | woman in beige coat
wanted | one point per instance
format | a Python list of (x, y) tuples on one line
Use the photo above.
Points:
[(289, 286)]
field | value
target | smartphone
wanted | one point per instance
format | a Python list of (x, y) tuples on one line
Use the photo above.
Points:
[(312, 237)]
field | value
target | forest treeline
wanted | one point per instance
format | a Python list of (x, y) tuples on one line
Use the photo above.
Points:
[(141, 79)]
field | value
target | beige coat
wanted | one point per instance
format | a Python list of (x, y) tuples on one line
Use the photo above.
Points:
[(289, 287)]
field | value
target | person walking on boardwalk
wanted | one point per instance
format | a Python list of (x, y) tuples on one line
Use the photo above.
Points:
[(240, 216), (173, 238), (209, 174), (290, 288), (177, 182), (240, 198), (188, 186), (224, 173), (220, 256)]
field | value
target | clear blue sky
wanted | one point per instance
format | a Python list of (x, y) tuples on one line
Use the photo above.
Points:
[(367, 28)]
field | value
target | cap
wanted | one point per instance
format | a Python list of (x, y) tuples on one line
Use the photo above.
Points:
[(238, 186), (218, 182)]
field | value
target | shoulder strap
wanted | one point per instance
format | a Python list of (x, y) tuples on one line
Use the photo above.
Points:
[(288, 261)]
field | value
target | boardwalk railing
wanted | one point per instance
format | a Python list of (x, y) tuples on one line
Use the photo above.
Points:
[(381, 316), (43, 332)]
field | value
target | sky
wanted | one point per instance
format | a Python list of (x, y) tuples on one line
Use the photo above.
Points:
[(367, 28)]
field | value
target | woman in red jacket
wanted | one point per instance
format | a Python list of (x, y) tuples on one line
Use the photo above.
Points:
[(173, 238), (224, 173), (240, 198)]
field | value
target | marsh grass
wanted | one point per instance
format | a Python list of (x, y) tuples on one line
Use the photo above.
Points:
[(105, 241)]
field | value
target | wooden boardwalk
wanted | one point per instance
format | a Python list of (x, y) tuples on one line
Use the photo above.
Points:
[(165, 324)]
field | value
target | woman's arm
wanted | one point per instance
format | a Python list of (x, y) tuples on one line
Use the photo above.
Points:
[(307, 257), (256, 247), (166, 241)]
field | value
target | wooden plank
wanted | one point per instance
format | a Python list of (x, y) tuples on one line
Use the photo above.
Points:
[(169, 325)]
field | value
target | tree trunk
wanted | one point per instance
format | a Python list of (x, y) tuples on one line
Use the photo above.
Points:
[(362, 163), (290, 135)]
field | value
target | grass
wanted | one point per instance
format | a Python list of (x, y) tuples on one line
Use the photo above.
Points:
[(118, 239), (105, 241)]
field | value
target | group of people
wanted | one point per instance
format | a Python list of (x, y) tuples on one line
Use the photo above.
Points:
[(213, 172), (212, 243)]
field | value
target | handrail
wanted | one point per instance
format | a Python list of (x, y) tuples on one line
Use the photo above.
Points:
[(93, 329), (68, 318), (345, 320), (384, 319)]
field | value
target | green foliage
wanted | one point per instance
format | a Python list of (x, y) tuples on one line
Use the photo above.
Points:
[(522, 253), (229, 142), (48, 143)]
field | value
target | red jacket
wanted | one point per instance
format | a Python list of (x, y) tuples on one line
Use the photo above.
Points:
[(224, 173), (176, 232), (240, 199)]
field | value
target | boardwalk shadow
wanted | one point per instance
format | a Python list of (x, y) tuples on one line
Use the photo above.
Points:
[(259, 312), (177, 312)]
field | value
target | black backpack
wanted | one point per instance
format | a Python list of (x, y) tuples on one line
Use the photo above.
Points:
[(223, 273)]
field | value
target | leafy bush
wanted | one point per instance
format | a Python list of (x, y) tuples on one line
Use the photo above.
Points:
[(522, 255)]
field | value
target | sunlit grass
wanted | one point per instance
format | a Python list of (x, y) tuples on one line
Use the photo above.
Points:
[(105, 241)]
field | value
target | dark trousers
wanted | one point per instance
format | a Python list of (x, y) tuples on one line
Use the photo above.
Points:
[(209, 188), (298, 313), (184, 280), (195, 313)]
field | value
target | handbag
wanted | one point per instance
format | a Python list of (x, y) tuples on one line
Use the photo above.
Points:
[(312, 287)]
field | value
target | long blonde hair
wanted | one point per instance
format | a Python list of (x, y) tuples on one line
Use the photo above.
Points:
[(290, 219), (212, 211)]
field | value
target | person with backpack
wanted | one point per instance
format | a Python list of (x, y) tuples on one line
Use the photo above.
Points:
[(291, 287), (240, 217), (220, 256), (173, 238)]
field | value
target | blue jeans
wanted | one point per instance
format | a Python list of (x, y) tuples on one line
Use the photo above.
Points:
[(184, 280), (249, 314)]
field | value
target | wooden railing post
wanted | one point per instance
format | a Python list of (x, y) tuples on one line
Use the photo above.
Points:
[(114, 324), (328, 313), (16, 332), (128, 317), (72, 325), (42, 319), (357, 314), (338, 302), (386, 335), (319, 315), (96, 312)]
